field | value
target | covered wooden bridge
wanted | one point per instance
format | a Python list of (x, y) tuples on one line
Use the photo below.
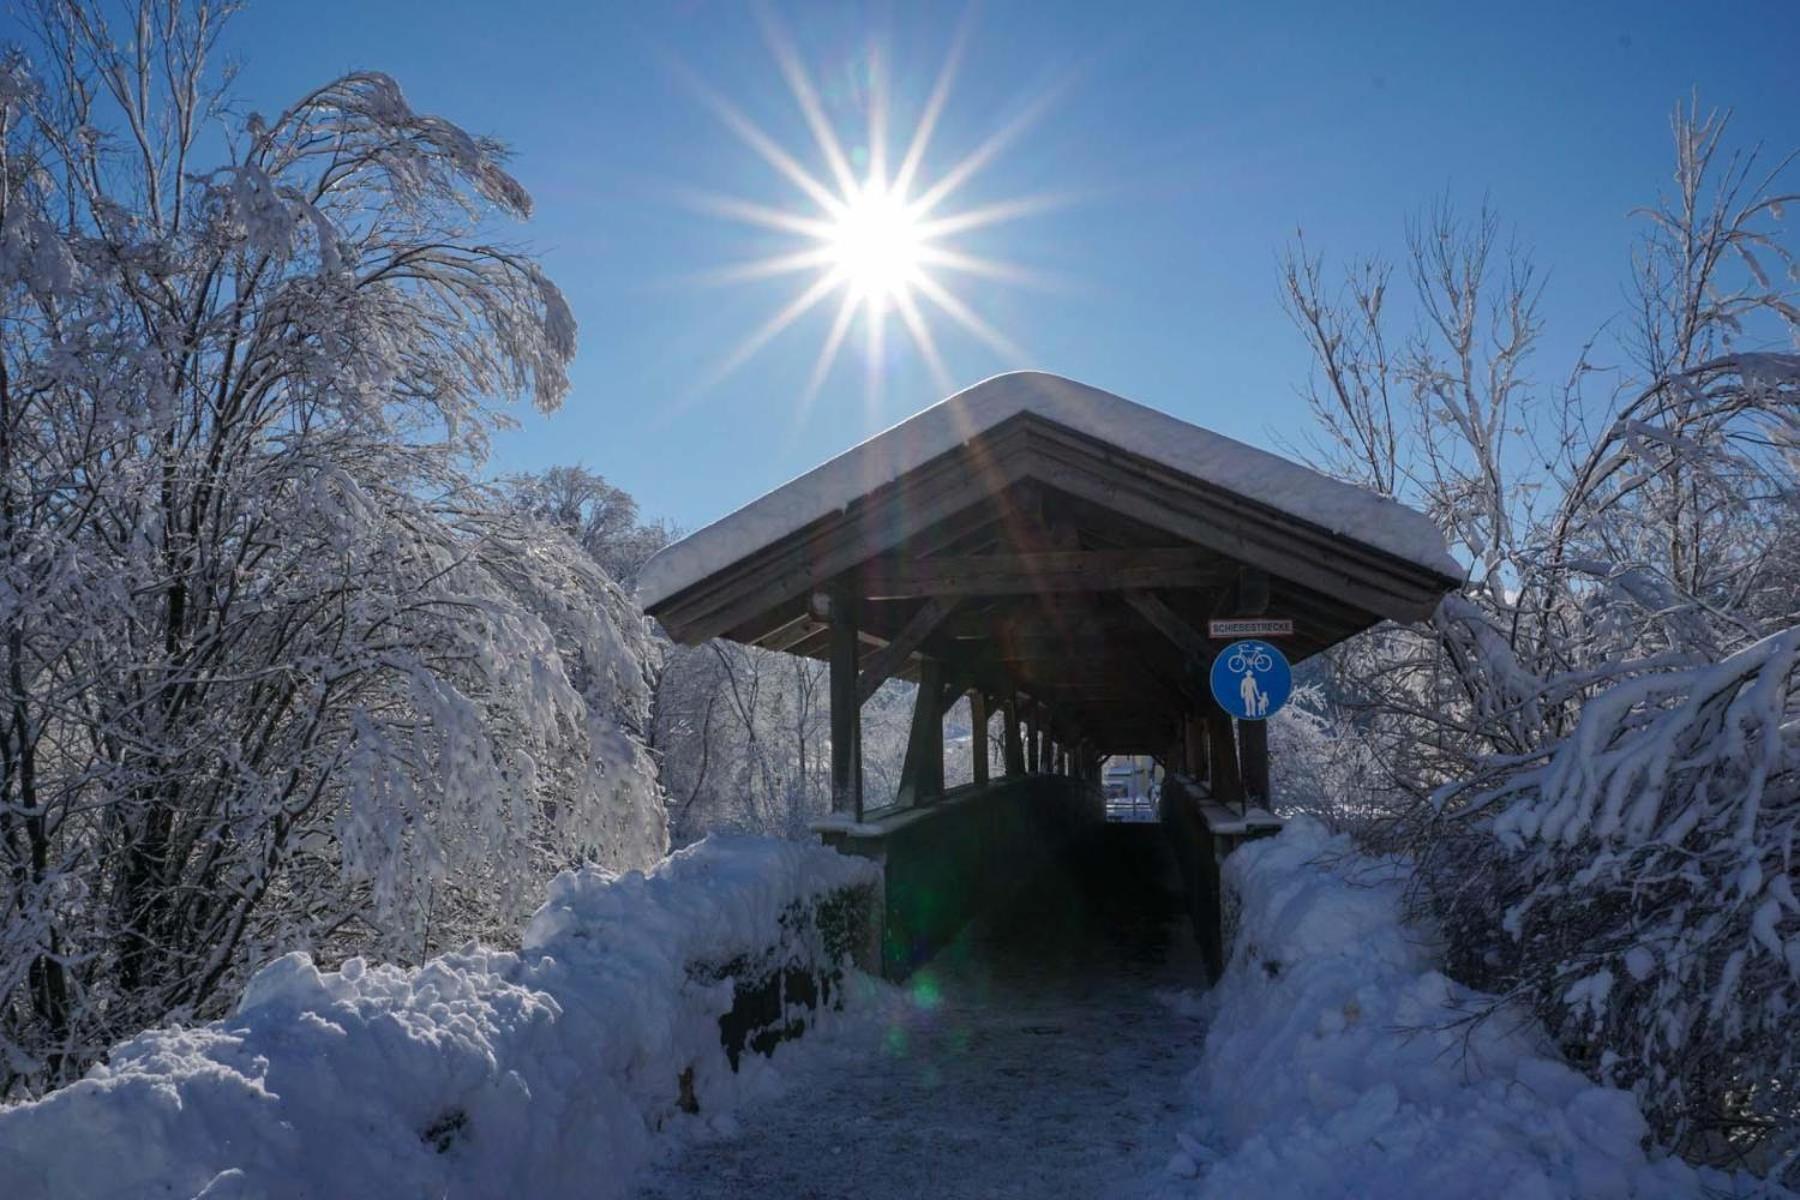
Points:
[(1058, 554)]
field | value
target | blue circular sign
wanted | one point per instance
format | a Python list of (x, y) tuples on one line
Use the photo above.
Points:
[(1251, 680)]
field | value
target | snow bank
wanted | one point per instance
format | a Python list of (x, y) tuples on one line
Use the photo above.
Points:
[(483, 1073), (1341, 1063), (1342, 508)]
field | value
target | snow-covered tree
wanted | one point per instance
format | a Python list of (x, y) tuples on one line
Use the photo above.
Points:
[(602, 518), (275, 674), (1593, 748)]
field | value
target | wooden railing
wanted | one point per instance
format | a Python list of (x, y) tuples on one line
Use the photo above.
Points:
[(1202, 831)]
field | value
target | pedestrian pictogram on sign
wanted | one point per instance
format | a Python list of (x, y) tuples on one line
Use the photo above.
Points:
[(1251, 680)]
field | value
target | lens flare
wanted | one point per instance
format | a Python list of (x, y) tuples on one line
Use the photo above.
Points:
[(878, 243)]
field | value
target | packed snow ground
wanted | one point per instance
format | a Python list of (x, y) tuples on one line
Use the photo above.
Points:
[(1037, 1057), (551, 1072), (1046, 1054), (1067, 1051)]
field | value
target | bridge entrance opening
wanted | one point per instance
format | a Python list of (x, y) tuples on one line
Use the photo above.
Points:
[(1131, 784)]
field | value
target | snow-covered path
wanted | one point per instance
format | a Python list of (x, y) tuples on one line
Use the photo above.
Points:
[(1034, 1058)]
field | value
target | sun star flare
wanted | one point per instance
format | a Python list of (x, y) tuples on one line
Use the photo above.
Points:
[(880, 242)]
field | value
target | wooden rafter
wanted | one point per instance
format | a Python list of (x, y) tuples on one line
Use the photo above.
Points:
[(1043, 572)]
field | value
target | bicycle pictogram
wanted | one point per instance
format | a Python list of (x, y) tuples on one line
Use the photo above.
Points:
[(1253, 659)]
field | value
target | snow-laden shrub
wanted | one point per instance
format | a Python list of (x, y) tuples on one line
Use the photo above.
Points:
[(1341, 1061), (1632, 539), (1634, 885), (548, 1072), (275, 673)]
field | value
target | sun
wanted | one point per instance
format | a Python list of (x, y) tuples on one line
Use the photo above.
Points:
[(878, 245), (878, 237)]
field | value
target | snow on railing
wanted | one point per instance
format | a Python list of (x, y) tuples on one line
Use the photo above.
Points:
[(547, 1072)]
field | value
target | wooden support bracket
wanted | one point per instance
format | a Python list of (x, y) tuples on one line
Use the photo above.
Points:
[(880, 666)]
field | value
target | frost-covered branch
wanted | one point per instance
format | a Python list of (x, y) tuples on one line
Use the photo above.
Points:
[(274, 673)]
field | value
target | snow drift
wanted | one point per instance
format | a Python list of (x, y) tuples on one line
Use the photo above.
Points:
[(1341, 1062), (546, 1072)]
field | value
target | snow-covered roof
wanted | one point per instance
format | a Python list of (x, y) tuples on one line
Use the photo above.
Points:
[(1300, 492)]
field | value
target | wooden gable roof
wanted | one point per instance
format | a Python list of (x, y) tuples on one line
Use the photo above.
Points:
[(1039, 536)]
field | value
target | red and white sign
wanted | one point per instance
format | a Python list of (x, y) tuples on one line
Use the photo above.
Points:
[(1249, 627)]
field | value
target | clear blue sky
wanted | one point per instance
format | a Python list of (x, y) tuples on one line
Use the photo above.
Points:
[(1190, 138)]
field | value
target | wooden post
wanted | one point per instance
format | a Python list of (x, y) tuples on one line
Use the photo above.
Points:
[(1013, 745), (846, 707), (1253, 747), (1227, 784), (978, 736), (1033, 763), (1192, 751), (1252, 736), (922, 773), (931, 685)]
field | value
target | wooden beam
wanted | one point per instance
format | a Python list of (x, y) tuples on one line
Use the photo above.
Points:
[(1055, 608), (846, 708), (880, 666), (790, 633), (1077, 649), (1043, 572), (1166, 621), (1236, 527), (818, 643), (1252, 592)]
